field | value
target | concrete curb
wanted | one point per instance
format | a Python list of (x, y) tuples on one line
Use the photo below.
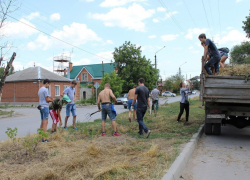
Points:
[(180, 162)]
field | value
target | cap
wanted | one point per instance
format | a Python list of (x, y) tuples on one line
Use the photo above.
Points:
[(66, 98)]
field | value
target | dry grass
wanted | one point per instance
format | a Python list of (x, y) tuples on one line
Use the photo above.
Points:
[(84, 154), (235, 70)]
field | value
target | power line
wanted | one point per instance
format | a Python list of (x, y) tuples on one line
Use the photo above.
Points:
[(56, 38), (211, 14), (189, 13), (219, 16), (207, 18)]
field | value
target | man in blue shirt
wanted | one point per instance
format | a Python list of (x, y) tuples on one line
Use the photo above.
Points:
[(214, 54), (71, 107)]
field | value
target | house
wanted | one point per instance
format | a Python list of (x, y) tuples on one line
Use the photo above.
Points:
[(88, 75), (23, 86)]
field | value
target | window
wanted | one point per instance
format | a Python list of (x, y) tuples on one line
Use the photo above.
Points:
[(84, 76), (57, 90), (65, 87)]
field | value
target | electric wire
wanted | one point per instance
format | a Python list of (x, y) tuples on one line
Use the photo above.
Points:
[(207, 18), (189, 13)]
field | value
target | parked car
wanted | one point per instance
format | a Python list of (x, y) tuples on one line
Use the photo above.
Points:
[(125, 104), (168, 93), (122, 98), (194, 92)]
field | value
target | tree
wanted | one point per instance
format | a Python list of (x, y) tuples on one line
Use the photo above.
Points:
[(168, 84), (114, 81), (131, 66), (240, 54), (246, 26), (6, 7), (173, 83), (196, 84)]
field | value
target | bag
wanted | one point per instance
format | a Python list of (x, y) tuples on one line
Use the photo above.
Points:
[(224, 49)]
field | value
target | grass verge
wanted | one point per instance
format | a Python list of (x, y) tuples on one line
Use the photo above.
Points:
[(84, 154), (6, 112)]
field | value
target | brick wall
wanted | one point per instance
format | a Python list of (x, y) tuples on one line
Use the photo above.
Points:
[(28, 91)]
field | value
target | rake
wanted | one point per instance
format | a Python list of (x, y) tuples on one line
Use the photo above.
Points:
[(88, 116)]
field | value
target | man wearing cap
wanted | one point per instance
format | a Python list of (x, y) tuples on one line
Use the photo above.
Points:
[(155, 99), (55, 109)]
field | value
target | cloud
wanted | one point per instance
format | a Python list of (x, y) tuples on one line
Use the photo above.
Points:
[(161, 9), (191, 47), (33, 16), (195, 31), (179, 3), (89, 0), (55, 17), (168, 15), (169, 37), (238, 1), (196, 52), (156, 20), (229, 27), (153, 36), (115, 3), (16, 30), (75, 34), (233, 37), (130, 18), (109, 42), (83, 61)]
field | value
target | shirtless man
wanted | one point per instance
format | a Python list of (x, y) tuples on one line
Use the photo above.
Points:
[(104, 97), (131, 95)]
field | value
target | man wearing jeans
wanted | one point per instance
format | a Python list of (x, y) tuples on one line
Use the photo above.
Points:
[(142, 97), (71, 107), (44, 100), (214, 54), (155, 99), (104, 97)]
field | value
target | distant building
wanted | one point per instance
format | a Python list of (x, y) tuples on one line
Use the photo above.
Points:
[(23, 86)]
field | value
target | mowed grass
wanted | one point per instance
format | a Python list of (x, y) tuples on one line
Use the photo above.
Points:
[(85, 154)]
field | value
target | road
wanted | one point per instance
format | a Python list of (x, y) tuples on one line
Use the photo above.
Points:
[(27, 120), (221, 157)]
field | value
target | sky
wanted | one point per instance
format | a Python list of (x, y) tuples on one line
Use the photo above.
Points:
[(89, 30)]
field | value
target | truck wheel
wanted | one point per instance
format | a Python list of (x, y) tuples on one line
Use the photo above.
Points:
[(208, 128), (217, 129)]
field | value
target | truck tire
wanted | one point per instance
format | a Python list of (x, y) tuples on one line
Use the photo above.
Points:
[(208, 128), (217, 129)]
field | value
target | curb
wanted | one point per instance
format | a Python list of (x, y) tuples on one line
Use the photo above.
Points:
[(180, 162)]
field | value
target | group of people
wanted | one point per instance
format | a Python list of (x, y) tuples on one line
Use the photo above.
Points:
[(48, 105), (213, 57)]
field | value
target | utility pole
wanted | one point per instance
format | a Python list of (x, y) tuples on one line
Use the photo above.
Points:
[(180, 68), (186, 78), (102, 70), (156, 63)]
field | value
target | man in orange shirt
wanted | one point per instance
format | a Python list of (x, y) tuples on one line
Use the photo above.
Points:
[(130, 97), (104, 97)]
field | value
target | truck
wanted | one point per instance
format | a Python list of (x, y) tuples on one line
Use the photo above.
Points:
[(226, 100)]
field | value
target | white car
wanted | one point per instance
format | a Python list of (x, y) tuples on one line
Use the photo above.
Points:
[(168, 93), (122, 98)]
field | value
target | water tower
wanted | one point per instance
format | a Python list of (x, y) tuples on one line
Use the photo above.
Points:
[(60, 63)]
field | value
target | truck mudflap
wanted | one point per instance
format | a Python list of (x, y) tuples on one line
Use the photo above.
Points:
[(216, 116)]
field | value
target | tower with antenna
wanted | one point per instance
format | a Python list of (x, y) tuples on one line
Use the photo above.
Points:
[(60, 63)]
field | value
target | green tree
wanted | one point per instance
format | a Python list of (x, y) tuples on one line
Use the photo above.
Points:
[(131, 66), (114, 81), (196, 84), (246, 26), (168, 84), (240, 54), (2, 69), (173, 83)]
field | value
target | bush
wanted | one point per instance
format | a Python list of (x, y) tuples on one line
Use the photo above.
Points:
[(91, 100)]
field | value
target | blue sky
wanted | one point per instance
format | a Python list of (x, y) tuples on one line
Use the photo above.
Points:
[(98, 26)]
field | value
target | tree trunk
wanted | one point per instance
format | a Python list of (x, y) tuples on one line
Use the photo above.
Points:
[(5, 74)]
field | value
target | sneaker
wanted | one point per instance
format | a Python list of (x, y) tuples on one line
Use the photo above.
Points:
[(140, 133), (75, 128), (46, 140), (129, 119), (148, 133), (116, 134), (65, 128), (103, 134)]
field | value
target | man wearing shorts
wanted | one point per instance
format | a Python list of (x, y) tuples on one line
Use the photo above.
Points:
[(104, 97), (131, 95), (55, 109), (214, 54), (44, 100), (155, 99), (142, 97), (71, 107)]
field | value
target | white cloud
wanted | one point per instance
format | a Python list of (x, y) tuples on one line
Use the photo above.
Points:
[(18, 29), (238, 1), (156, 20), (179, 3), (33, 16), (130, 18), (233, 37), (161, 9), (83, 61), (168, 15), (89, 0), (76, 34), (191, 47), (196, 52), (153, 36), (109, 42), (195, 31), (19, 66), (229, 27), (107, 55), (169, 37), (115, 3), (55, 17)]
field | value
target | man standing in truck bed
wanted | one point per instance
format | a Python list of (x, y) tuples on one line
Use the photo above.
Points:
[(214, 54)]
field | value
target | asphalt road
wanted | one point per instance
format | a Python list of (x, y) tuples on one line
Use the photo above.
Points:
[(27, 120), (221, 157)]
